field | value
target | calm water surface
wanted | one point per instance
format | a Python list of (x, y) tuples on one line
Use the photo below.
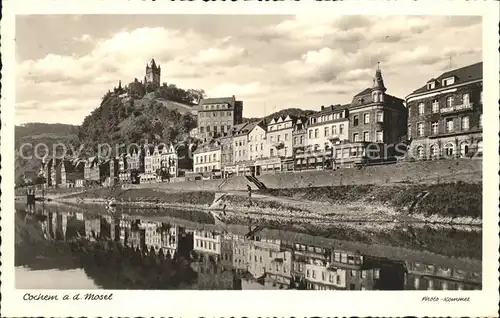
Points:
[(87, 247)]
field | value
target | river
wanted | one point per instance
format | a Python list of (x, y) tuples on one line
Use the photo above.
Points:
[(60, 246)]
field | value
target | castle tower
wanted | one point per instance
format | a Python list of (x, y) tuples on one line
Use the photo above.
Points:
[(153, 73), (378, 88)]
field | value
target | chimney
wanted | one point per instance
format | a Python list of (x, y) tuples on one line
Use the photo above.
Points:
[(331, 107), (322, 107)]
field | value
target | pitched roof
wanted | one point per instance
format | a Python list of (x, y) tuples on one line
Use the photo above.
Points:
[(218, 100), (366, 91), (464, 74)]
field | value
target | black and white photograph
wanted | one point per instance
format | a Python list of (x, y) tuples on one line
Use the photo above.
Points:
[(169, 152)]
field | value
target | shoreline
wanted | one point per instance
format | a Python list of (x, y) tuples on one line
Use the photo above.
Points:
[(258, 211)]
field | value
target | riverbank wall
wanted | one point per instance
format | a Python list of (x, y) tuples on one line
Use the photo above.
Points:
[(424, 172)]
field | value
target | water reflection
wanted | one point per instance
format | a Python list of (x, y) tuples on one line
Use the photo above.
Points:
[(127, 248)]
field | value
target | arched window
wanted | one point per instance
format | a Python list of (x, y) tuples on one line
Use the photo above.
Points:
[(380, 97), (420, 152), (434, 150), (449, 150), (464, 148), (375, 97)]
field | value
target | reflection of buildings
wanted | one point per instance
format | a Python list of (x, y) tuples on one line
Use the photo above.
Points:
[(93, 228), (169, 239), (240, 253), (62, 224), (124, 230), (312, 267), (212, 273), (430, 277)]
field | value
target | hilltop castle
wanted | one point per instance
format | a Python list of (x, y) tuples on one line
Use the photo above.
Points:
[(153, 73)]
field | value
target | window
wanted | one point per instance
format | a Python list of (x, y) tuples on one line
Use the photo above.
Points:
[(301, 139), (366, 118), (380, 136), (272, 152), (341, 129), (466, 99), (271, 139), (449, 101), (480, 120), (316, 133), (366, 136), (295, 140), (355, 120), (409, 130), (376, 273), (278, 138), (448, 81), (310, 133), (334, 130), (449, 124), (435, 106), (363, 274), (286, 137), (421, 108), (355, 137), (434, 151), (449, 149), (465, 123), (420, 152), (435, 127), (420, 129), (261, 146), (480, 146), (251, 148), (353, 272), (431, 85), (464, 148), (380, 117)]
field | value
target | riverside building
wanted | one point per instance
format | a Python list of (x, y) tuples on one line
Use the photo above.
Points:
[(217, 116), (445, 115)]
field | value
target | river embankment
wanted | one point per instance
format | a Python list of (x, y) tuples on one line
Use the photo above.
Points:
[(360, 206)]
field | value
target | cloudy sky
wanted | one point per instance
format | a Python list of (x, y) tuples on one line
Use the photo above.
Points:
[(65, 63)]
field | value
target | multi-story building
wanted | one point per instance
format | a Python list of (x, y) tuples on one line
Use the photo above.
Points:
[(207, 159), (279, 145), (152, 164), (445, 115), (299, 136), (217, 116), (257, 147), (207, 241), (377, 125), (241, 246), (123, 168), (226, 149), (91, 170), (108, 171), (327, 128), (64, 173), (244, 165)]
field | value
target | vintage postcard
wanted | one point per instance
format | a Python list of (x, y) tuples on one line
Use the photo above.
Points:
[(249, 158)]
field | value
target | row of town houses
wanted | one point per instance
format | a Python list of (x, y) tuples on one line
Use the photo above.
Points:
[(150, 163), (262, 261), (441, 119)]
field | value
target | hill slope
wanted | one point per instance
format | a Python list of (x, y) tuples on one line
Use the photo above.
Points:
[(287, 111)]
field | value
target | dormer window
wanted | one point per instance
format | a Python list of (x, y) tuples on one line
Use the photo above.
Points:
[(449, 81), (431, 85)]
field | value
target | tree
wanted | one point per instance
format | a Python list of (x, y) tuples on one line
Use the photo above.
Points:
[(188, 122)]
